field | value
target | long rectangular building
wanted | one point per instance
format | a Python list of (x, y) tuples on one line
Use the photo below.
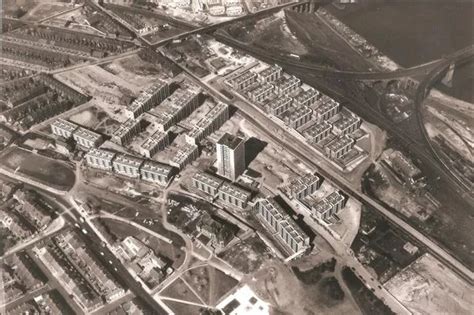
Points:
[(306, 98), (207, 183), (278, 106), (317, 132), (156, 142), (339, 147), (304, 186), (126, 131), (270, 74), (233, 195), (296, 117), (155, 172), (329, 206), (282, 225), (327, 108), (148, 98), (86, 138), (212, 121), (127, 165), (100, 159), (63, 128), (347, 124)]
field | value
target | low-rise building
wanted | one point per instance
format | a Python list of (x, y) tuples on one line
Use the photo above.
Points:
[(329, 206), (185, 154), (217, 10), (296, 117), (63, 128), (234, 10), (212, 121), (126, 131), (155, 172), (156, 142), (100, 158), (233, 195), (317, 132), (127, 165), (244, 80), (218, 231), (282, 225), (306, 98), (270, 74), (261, 92), (86, 138), (207, 183), (148, 98), (339, 147), (327, 108), (287, 86), (304, 186), (278, 106), (347, 124)]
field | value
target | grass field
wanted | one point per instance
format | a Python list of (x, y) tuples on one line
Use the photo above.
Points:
[(47, 171)]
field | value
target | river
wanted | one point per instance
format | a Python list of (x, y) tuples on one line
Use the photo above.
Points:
[(415, 32)]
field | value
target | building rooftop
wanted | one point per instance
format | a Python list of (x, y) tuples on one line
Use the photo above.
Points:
[(325, 106), (64, 124), (317, 128), (87, 134), (230, 141), (101, 153), (156, 167), (235, 191), (294, 113), (346, 121), (208, 179), (306, 95), (335, 198), (129, 160), (146, 95), (244, 77), (124, 128), (261, 88), (339, 143), (153, 140), (269, 70)]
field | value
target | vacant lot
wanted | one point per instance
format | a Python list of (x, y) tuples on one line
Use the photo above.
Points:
[(47, 171), (247, 256)]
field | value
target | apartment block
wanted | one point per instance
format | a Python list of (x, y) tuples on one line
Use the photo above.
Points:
[(127, 165), (306, 98), (339, 147), (156, 142), (147, 99), (317, 132), (278, 106), (155, 172), (282, 225), (211, 122), (230, 156), (100, 158), (287, 86), (207, 183), (63, 128), (86, 138), (244, 80), (270, 74), (261, 92), (347, 124), (304, 186), (126, 131), (326, 208), (327, 108), (296, 117), (234, 195), (185, 154)]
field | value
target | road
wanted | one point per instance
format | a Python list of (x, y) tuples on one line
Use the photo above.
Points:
[(306, 154)]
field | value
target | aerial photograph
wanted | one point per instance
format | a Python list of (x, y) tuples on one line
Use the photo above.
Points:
[(237, 157)]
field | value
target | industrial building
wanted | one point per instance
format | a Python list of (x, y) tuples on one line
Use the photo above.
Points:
[(296, 117), (207, 183), (278, 106), (329, 206), (127, 165), (86, 138), (317, 132), (304, 186), (156, 142), (234, 195), (270, 74), (211, 122), (155, 172), (63, 128), (282, 225), (339, 147), (100, 158), (126, 131), (148, 98), (230, 156)]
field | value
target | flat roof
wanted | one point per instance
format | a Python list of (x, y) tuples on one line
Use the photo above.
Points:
[(340, 143), (156, 167), (230, 141), (129, 160), (317, 128), (101, 153), (208, 179), (235, 191), (64, 124), (87, 134)]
